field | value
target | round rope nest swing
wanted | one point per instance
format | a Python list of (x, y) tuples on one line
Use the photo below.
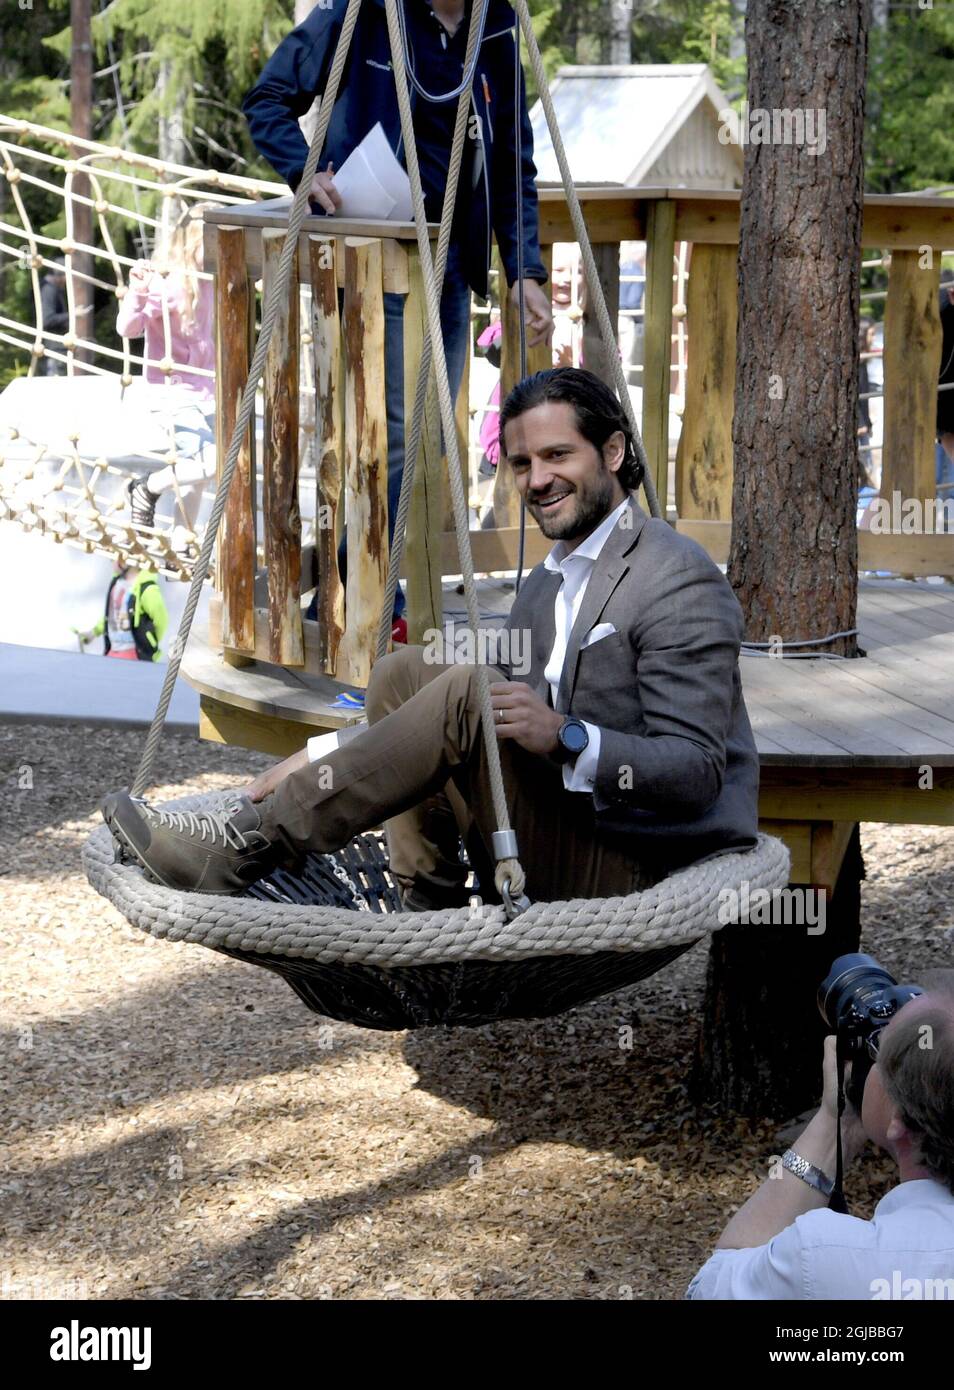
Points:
[(335, 930)]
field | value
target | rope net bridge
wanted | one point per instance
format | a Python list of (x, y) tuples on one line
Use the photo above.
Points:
[(92, 406)]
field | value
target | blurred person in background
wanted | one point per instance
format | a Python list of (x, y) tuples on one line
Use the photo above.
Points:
[(171, 290), (135, 616)]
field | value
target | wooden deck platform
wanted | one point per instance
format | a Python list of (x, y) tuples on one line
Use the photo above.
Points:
[(839, 741)]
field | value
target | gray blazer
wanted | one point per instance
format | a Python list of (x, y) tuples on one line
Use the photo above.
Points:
[(678, 769)]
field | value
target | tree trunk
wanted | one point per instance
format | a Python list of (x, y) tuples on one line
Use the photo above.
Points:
[(621, 32), (81, 124), (793, 562), (737, 34), (171, 146), (794, 545), (760, 1045)]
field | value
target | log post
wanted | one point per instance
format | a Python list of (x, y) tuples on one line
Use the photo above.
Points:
[(462, 420), (912, 361), (506, 497), (704, 455), (366, 458), (235, 558), (761, 1005), (329, 445), (282, 516), (594, 356), (657, 358)]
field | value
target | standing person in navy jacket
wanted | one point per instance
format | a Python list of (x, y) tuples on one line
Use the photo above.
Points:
[(486, 195)]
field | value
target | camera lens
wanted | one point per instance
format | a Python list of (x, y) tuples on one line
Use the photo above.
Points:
[(852, 980)]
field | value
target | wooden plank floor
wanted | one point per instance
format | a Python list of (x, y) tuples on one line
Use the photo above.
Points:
[(893, 708)]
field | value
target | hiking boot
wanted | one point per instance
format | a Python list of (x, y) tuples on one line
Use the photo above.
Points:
[(142, 502), (197, 851)]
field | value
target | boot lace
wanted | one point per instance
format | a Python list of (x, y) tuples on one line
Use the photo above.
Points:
[(215, 825)]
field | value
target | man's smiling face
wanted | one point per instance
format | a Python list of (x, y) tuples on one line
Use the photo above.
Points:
[(569, 486)]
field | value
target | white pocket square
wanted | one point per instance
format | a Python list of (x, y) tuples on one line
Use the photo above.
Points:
[(595, 634)]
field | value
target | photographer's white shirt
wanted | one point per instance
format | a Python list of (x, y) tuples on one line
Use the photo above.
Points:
[(906, 1251)]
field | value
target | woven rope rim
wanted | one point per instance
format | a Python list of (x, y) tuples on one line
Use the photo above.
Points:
[(680, 908)]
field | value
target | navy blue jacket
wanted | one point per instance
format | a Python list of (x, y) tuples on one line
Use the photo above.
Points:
[(298, 69)]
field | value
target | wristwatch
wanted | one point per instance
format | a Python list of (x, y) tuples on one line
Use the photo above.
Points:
[(572, 738), (807, 1172)]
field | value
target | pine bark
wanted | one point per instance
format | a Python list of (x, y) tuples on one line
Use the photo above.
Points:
[(760, 1042), (793, 562), (794, 546), (81, 124)]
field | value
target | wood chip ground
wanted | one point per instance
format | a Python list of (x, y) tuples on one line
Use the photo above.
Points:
[(177, 1126)]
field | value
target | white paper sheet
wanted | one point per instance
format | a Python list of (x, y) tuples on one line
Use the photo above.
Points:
[(372, 182)]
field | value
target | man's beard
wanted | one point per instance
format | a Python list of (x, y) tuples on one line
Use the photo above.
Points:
[(584, 511)]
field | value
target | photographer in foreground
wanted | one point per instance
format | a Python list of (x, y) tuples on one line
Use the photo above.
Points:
[(785, 1242)]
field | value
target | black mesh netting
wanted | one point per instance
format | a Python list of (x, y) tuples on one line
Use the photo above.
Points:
[(358, 879)]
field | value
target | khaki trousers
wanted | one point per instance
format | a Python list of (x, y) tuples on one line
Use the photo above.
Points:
[(421, 768)]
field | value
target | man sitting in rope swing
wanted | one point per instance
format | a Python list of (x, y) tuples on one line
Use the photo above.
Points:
[(486, 194), (624, 742)]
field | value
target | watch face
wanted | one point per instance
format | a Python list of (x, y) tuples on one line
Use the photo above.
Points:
[(574, 737)]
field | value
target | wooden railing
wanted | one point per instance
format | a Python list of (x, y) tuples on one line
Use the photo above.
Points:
[(262, 567)]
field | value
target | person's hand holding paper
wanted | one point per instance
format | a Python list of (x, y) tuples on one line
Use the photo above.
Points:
[(371, 183), (324, 191)]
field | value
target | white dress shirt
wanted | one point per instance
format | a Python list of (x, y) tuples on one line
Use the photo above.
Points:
[(906, 1251), (576, 568)]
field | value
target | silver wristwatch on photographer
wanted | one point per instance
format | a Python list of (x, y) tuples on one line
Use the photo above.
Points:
[(807, 1172)]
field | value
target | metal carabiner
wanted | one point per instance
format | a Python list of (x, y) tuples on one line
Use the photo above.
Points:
[(511, 907)]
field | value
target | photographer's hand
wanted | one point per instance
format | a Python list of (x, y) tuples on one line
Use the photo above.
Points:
[(853, 1137), (783, 1196)]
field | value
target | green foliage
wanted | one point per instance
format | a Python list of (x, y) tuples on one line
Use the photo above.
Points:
[(663, 31), (193, 61), (31, 86), (713, 30), (196, 59), (910, 119)]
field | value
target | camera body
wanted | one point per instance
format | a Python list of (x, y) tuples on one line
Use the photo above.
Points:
[(857, 998)]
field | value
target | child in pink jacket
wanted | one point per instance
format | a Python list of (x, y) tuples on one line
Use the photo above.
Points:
[(173, 311)]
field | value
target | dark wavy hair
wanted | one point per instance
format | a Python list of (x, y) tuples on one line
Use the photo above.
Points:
[(597, 410)]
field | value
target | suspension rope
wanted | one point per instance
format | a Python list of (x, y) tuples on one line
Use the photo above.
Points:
[(279, 289), (518, 203), (413, 441), (508, 874), (593, 283)]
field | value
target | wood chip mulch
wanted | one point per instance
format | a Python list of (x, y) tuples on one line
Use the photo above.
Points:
[(177, 1126)]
